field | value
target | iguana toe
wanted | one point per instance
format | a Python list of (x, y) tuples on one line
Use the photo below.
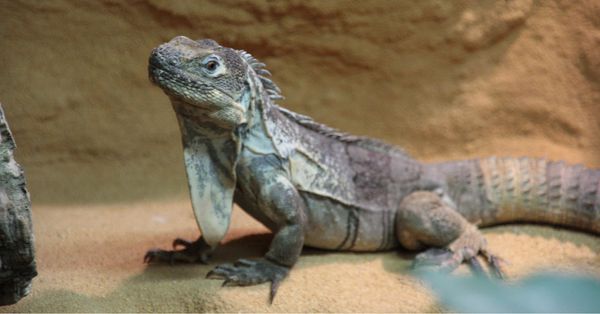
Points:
[(437, 259), (155, 255), (446, 260), (495, 262), (475, 266), (197, 251), (181, 242), (250, 272)]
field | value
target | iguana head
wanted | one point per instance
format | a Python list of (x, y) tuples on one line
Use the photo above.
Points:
[(202, 74), (214, 91)]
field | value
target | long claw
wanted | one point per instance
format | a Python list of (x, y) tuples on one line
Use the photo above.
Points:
[(274, 287), (476, 267), (147, 258), (151, 255), (496, 265), (211, 275), (495, 262)]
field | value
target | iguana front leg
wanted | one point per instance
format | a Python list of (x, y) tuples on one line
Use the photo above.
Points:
[(425, 220), (281, 203)]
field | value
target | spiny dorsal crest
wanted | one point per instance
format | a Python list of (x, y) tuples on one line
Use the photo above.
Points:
[(270, 87), (365, 142), (275, 93)]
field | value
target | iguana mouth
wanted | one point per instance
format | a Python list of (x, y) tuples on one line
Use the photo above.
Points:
[(164, 74)]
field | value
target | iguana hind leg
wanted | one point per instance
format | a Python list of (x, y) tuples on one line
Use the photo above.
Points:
[(425, 221)]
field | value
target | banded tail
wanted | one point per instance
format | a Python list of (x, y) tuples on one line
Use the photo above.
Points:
[(501, 190)]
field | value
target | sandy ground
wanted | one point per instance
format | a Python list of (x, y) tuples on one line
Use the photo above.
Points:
[(92, 261), (443, 79)]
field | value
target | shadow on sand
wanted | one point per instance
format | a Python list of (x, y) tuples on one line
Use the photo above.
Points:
[(182, 287)]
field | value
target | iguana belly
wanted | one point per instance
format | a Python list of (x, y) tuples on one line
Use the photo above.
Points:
[(342, 213), (336, 226)]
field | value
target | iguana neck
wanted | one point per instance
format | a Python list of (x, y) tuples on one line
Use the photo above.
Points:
[(256, 137), (195, 122)]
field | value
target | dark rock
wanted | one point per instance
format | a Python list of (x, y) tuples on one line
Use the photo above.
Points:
[(17, 263)]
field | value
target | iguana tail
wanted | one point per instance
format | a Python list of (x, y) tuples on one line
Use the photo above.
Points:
[(501, 190)]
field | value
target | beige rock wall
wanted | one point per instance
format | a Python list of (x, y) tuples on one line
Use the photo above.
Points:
[(444, 79)]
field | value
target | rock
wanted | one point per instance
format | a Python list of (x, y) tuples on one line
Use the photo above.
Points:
[(17, 263), (483, 26)]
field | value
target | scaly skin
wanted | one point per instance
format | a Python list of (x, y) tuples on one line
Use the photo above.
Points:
[(493, 191), (313, 185)]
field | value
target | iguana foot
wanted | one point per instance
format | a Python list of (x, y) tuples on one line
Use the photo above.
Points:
[(445, 260), (426, 219), (192, 252), (246, 272), (465, 249)]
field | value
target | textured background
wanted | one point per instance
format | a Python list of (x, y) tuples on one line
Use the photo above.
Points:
[(443, 79)]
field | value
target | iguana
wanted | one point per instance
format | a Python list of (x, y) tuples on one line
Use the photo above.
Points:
[(316, 186)]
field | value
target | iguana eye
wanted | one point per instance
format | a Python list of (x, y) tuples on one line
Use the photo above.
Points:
[(212, 66)]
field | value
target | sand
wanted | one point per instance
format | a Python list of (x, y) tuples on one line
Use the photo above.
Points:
[(443, 79), (92, 261)]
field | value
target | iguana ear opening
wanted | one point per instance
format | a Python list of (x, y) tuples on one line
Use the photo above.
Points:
[(210, 166)]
